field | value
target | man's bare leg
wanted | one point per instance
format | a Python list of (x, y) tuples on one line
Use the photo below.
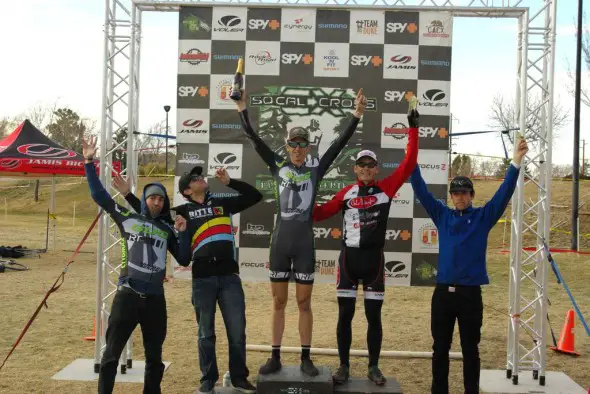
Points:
[(280, 293), (303, 295)]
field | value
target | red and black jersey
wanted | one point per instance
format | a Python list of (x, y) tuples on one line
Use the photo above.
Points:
[(365, 207)]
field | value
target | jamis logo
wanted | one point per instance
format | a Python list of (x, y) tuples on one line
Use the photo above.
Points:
[(43, 150), (9, 164), (192, 126), (194, 57), (362, 202), (400, 62), (263, 57)]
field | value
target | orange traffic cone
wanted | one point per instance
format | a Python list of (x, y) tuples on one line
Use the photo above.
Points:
[(93, 336), (566, 339)]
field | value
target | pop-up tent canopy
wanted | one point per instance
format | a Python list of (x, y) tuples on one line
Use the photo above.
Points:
[(27, 152)]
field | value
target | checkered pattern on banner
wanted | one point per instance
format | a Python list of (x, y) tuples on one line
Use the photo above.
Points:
[(303, 67)]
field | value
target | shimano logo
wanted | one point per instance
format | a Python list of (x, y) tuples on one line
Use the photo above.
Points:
[(332, 26), (226, 126), (226, 57), (441, 63)]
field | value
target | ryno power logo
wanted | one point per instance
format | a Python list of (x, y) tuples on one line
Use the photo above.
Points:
[(43, 150)]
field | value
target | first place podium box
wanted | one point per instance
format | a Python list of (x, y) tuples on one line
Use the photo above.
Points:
[(290, 379)]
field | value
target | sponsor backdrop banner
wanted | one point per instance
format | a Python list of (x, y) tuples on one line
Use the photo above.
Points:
[(303, 68)]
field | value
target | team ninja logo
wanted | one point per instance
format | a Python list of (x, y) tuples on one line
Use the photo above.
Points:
[(310, 101)]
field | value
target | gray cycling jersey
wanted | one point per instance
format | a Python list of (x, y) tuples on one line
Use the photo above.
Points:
[(295, 188)]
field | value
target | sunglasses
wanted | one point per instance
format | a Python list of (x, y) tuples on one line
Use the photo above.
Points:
[(295, 144), (364, 165)]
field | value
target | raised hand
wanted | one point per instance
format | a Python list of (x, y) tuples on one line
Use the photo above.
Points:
[(222, 175), (180, 223), (520, 150), (89, 147), (414, 119), (360, 103), (241, 103), (121, 185)]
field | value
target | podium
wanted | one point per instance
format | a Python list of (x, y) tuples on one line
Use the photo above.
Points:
[(290, 379)]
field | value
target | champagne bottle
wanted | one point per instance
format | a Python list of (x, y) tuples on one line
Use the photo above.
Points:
[(236, 93), (412, 104)]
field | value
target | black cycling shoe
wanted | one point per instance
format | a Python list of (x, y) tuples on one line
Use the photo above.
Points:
[(376, 376), (308, 368), (272, 365), (243, 386), (341, 375)]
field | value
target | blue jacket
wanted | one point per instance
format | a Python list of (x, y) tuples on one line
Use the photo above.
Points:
[(463, 235)]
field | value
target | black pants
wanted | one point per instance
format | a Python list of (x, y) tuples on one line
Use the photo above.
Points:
[(128, 310), (464, 304)]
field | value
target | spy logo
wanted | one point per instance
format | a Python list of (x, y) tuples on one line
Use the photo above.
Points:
[(395, 95), (296, 58), (361, 60), (184, 91), (430, 132), (398, 27), (262, 24), (396, 234)]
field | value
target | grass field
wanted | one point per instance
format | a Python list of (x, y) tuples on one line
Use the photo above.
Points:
[(55, 338)]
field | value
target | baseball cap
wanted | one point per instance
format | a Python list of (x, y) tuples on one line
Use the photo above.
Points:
[(185, 179), (366, 153), (298, 132), (461, 184)]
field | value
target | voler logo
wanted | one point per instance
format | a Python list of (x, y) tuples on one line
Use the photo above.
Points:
[(225, 158), (399, 27), (296, 58), (192, 126), (192, 91), (362, 60), (400, 62), (435, 29), (255, 229), (322, 232), (229, 24), (194, 57), (442, 167), (394, 235), (396, 269), (263, 57), (261, 24), (191, 158), (433, 98), (397, 130), (298, 24)]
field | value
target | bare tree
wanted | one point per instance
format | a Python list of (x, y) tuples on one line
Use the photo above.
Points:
[(40, 115), (584, 92), (561, 170), (503, 116)]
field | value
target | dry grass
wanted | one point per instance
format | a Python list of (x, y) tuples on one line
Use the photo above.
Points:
[(55, 338)]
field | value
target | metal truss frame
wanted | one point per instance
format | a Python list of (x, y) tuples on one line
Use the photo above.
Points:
[(527, 326)]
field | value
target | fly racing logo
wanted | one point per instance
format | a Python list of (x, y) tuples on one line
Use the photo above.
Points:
[(394, 235), (255, 229)]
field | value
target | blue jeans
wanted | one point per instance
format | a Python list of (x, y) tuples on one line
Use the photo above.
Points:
[(228, 293)]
